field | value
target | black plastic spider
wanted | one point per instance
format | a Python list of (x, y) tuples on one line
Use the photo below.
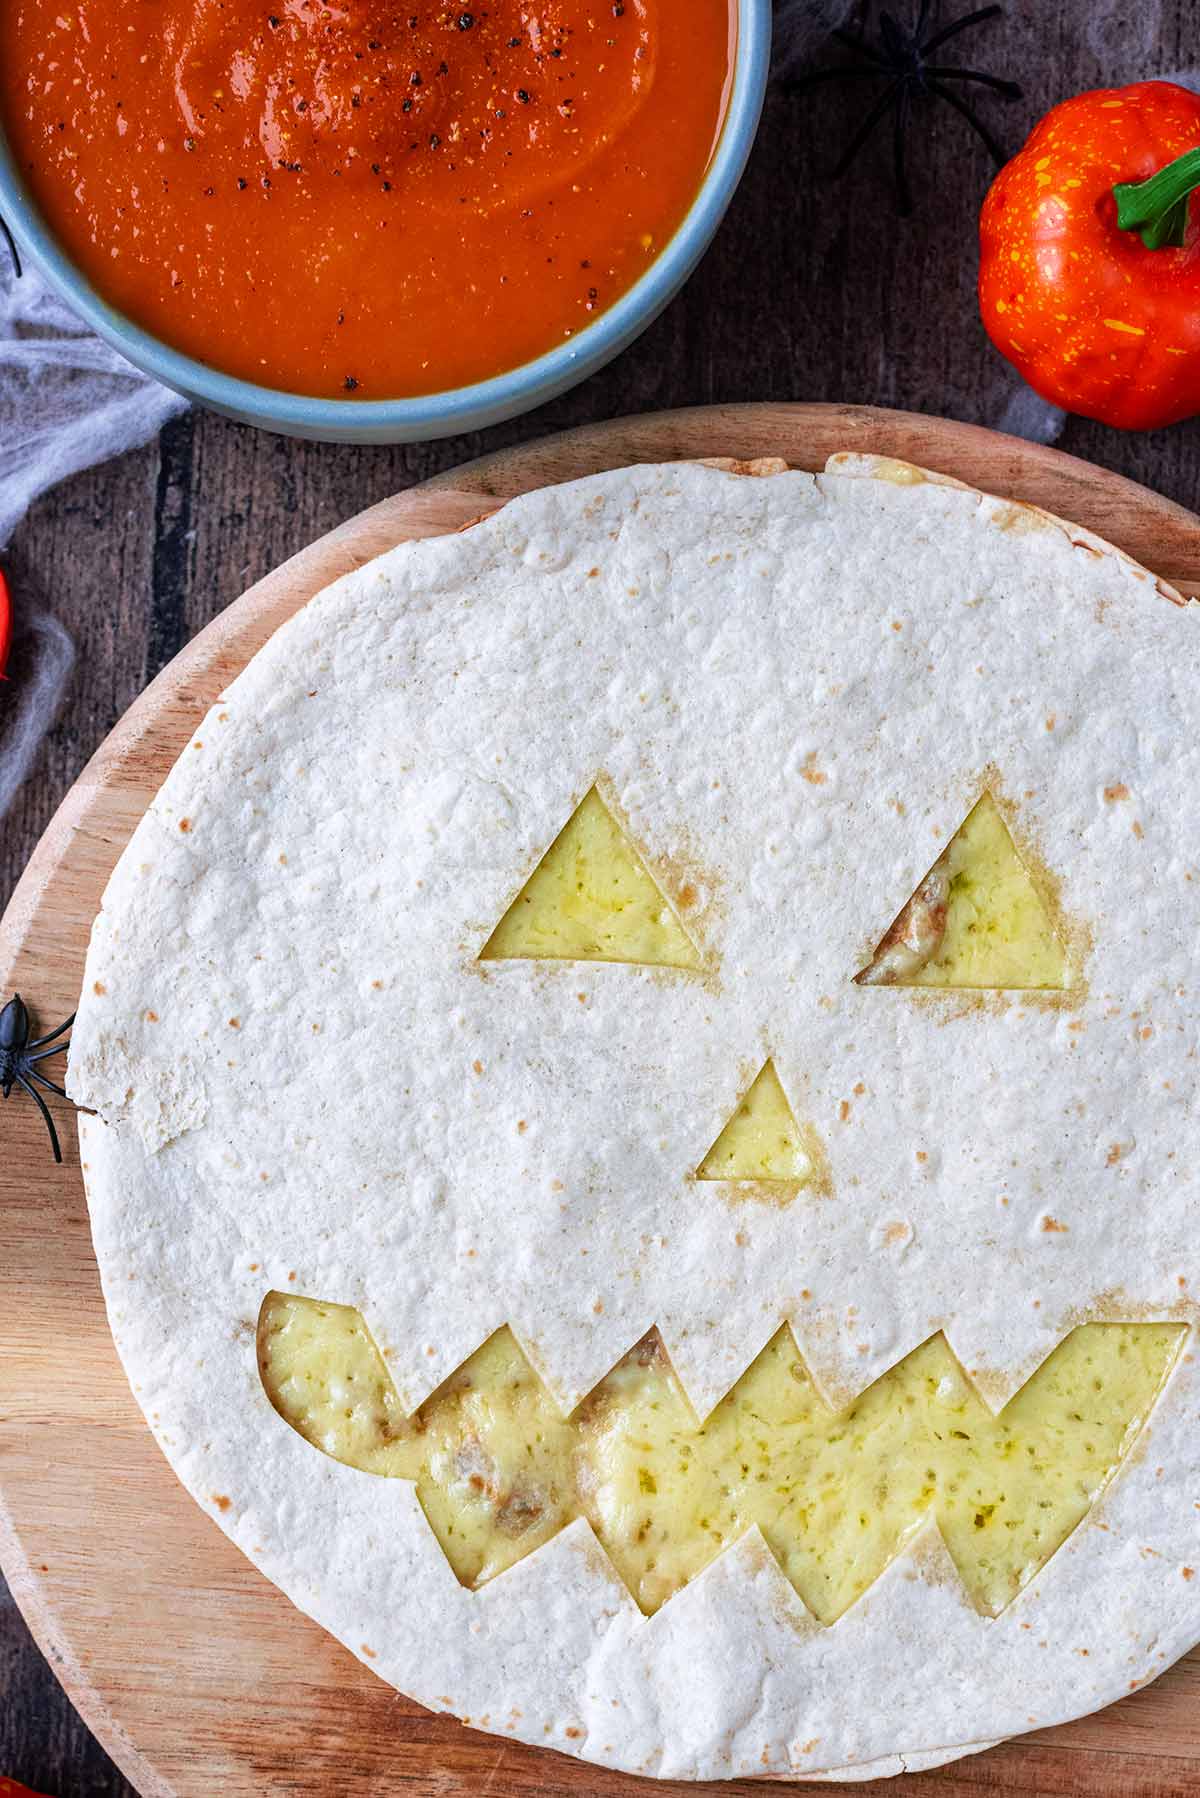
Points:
[(18, 1056), (902, 58), (11, 241)]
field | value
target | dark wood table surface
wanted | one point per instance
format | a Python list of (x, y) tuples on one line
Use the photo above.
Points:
[(812, 290)]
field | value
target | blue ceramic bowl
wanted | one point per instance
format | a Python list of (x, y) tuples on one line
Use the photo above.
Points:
[(461, 408)]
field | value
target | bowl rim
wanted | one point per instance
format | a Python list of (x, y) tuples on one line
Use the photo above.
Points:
[(515, 389)]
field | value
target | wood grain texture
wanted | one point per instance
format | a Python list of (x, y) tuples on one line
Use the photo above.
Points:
[(198, 1676)]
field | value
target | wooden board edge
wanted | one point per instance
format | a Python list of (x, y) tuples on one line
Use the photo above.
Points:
[(63, 1661), (747, 431)]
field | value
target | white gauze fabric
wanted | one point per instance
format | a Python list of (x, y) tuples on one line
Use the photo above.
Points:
[(67, 401)]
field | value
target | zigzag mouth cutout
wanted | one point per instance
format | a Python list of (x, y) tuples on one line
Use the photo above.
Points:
[(837, 1495)]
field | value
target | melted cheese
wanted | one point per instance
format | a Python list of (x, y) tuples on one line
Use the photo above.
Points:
[(976, 920), (591, 898), (762, 1140), (836, 1494)]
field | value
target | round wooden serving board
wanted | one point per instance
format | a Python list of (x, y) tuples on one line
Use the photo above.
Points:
[(197, 1675)]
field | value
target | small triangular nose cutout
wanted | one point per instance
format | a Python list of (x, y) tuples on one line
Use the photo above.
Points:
[(761, 1140), (591, 898), (976, 920)]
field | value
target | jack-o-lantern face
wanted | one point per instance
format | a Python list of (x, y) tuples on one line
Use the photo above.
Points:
[(499, 1471), (666, 1042)]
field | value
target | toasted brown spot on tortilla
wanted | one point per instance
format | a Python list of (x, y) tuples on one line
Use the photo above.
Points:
[(185, 824), (99, 988), (755, 466), (1051, 1226), (222, 1503), (1117, 791)]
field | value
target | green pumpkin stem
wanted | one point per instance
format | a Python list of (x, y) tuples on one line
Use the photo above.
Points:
[(1158, 208)]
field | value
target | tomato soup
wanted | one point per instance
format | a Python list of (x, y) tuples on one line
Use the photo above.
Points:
[(359, 199)]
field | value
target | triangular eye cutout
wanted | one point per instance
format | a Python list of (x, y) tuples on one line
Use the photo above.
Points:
[(591, 898), (762, 1140), (976, 920)]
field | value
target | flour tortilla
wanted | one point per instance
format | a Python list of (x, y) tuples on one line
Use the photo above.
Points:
[(793, 689)]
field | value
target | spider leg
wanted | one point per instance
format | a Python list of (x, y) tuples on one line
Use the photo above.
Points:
[(977, 125), (918, 30), (50, 1036), (1009, 89), (49, 1085), (12, 246), (978, 17), (42, 1106), (899, 127), (58, 1049), (886, 99)]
